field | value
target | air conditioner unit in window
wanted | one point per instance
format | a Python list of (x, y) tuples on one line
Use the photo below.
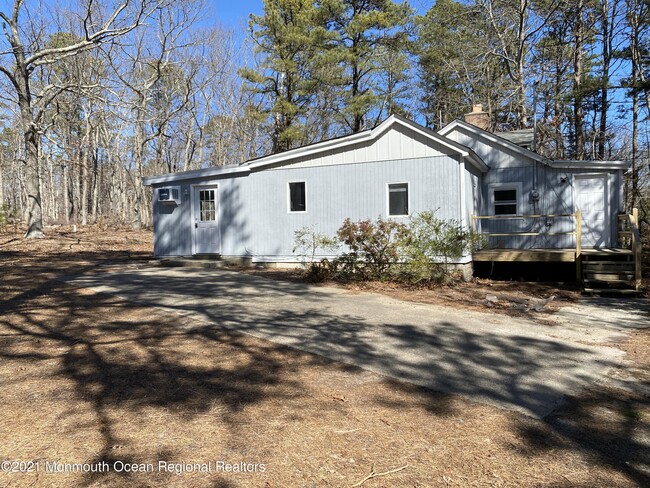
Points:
[(169, 195)]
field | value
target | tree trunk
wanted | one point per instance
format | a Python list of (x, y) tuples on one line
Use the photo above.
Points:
[(634, 46), (66, 194), (2, 185), (604, 81), (33, 210), (84, 154), (578, 110)]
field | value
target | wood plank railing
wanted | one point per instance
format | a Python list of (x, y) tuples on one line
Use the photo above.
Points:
[(577, 231), (577, 216), (632, 239)]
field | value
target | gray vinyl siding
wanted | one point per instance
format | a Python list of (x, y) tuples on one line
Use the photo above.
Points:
[(253, 210), (356, 191), (171, 226), (509, 166), (555, 198)]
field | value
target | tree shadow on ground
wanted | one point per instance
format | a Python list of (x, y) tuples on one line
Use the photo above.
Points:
[(133, 365), (506, 369), (124, 365), (446, 356)]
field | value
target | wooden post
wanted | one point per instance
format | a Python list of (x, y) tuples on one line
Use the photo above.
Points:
[(636, 246), (579, 246)]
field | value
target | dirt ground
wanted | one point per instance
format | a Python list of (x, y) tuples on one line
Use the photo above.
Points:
[(92, 380)]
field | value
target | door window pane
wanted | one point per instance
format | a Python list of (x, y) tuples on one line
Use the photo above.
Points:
[(207, 206), (398, 199)]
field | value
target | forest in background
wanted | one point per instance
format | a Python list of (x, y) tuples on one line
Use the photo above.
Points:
[(97, 94)]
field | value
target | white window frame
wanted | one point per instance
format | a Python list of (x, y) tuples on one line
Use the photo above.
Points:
[(408, 198), (517, 186), (289, 197)]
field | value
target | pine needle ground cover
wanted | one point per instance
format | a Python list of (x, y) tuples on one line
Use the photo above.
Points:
[(88, 379)]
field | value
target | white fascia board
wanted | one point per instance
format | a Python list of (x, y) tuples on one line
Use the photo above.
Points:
[(312, 149), (197, 173), (492, 138), (593, 164)]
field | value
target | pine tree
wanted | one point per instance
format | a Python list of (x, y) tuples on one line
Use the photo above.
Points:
[(370, 36), (291, 38), (453, 63)]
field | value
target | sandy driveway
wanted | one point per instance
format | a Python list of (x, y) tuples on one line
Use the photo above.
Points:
[(512, 363)]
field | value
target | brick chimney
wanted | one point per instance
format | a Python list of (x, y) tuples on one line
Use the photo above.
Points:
[(478, 117)]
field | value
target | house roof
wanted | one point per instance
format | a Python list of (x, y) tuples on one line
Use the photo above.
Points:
[(232, 170), (507, 142), (456, 124), (287, 157), (523, 137)]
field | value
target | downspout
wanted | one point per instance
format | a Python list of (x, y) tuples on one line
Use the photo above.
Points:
[(463, 201)]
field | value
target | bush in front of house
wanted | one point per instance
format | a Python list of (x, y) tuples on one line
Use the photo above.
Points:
[(385, 249), (431, 244), (307, 242), (373, 248)]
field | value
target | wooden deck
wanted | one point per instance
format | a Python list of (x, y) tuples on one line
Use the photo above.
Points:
[(596, 268), (544, 255)]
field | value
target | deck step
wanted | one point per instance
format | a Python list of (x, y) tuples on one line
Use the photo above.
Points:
[(605, 276), (613, 281), (612, 291), (621, 264), (608, 269), (608, 274)]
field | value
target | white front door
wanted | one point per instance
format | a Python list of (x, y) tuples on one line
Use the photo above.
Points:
[(206, 220), (591, 197)]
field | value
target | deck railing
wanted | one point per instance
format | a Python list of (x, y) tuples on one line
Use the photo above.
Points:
[(577, 232), (632, 239)]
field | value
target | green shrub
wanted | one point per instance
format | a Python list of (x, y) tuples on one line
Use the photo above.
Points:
[(307, 241), (373, 248), (431, 244)]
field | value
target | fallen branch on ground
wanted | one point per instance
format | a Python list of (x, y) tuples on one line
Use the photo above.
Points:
[(373, 474)]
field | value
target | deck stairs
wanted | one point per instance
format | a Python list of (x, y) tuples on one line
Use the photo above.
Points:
[(615, 270), (608, 271)]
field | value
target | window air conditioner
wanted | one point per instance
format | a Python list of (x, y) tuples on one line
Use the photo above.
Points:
[(169, 195)]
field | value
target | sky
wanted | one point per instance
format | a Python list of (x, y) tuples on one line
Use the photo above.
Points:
[(234, 13)]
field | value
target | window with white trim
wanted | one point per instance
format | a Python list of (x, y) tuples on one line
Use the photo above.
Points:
[(504, 200), (297, 197), (398, 199)]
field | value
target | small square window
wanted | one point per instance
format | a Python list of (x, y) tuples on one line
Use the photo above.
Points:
[(398, 199), (505, 201), (297, 197)]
